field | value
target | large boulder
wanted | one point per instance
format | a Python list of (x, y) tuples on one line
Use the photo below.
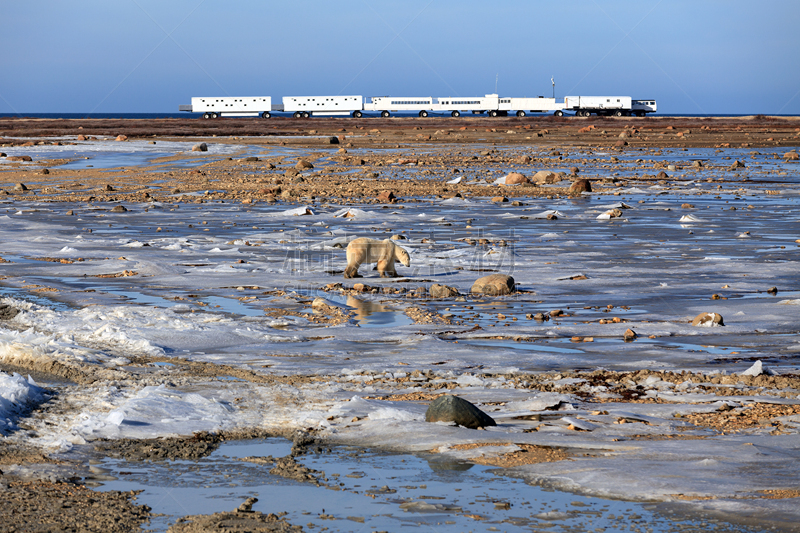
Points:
[(450, 408), (201, 147), (303, 164), (387, 197), (708, 320), (20, 158), (332, 140), (493, 285), (515, 178), (791, 156), (579, 187), (545, 176), (442, 291)]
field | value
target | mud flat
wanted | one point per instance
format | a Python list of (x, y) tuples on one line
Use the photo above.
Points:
[(175, 306)]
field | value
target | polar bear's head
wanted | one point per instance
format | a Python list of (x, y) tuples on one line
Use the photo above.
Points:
[(402, 256)]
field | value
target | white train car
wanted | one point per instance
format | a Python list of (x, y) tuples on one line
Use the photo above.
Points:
[(522, 106), (601, 105), (477, 104), (306, 106), (387, 105), (234, 106)]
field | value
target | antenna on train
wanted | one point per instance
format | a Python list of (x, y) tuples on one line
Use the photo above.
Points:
[(553, 81)]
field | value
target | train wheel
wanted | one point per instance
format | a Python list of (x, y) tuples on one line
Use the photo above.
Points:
[(265, 114), (520, 113), (298, 114), (215, 115), (559, 113), (206, 115), (640, 113), (423, 114), (385, 114), (492, 113), (357, 114), (455, 114), (618, 114), (306, 114)]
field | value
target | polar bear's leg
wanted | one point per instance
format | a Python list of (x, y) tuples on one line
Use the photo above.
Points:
[(352, 271), (355, 256), (386, 268)]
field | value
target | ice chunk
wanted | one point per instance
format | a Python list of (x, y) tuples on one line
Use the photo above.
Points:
[(468, 380), (691, 219), (579, 424), (16, 394), (454, 181), (352, 212), (545, 214), (758, 369), (299, 211)]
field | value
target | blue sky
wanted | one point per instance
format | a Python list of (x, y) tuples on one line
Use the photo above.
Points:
[(700, 56)]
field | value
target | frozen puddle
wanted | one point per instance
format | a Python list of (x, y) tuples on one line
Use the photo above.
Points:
[(363, 490)]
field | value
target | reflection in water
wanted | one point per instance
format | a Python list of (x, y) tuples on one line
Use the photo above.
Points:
[(371, 313)]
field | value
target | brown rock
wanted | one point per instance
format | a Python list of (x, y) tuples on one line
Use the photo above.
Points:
[(579, 187), (499, 199), (791, 156), (737, 164), (524, 160), (493, 285), (81, 137), (201, 147), (708, 320), (20, 187), (303, 164), (442, 291), (629, 335), (45, 171), (332, 140), (121, 138), (620, 143), (387, 196), (20, 158), (545, 176), (118, 209), (515, 178)]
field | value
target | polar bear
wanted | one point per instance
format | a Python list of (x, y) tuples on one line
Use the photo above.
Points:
[(366, 250)]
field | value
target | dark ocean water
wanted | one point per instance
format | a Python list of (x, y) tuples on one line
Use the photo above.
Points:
[(198, 115)]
